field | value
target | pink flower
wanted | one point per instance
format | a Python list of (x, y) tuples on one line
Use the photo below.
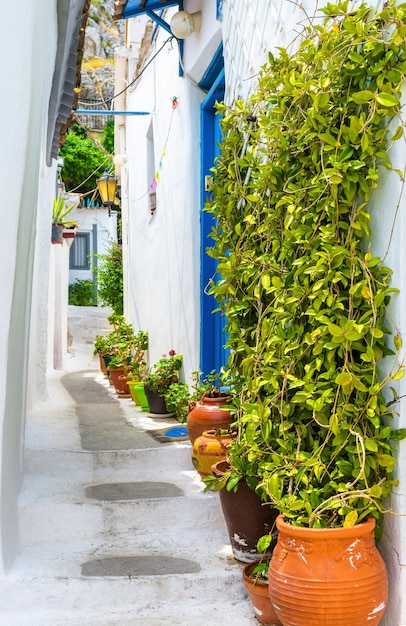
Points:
[(143, 374), (164, 356)]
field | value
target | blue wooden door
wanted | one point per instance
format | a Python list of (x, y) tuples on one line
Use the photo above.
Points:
[(213, 354)]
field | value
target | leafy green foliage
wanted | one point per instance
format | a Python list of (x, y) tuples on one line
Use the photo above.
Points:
[(304, 297), (84, 161), (177, 399), (108, 137), (164, 373), (60, 211), (110, 278), (123, 344), (82, 293)]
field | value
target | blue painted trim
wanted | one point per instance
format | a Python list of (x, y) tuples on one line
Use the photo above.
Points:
[(213, 71), (210, 324), (219, 9), (154, 16), (133, 7)]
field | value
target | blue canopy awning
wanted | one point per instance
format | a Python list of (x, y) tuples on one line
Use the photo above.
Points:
[(137, 7)]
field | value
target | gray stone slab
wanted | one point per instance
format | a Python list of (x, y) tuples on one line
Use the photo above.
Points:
[(141, 565), (85, 390), (133, 491)]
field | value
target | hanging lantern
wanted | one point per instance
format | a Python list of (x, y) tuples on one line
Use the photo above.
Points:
[(107, 185)]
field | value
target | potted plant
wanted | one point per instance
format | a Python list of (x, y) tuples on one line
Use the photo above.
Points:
[(306, 299), (209, 407), (177, 399), (59, 223), (255, 578), (158, 380)]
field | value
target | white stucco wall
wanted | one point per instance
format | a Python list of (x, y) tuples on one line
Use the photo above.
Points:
[(388, 208), (163, 249), (27, 45)]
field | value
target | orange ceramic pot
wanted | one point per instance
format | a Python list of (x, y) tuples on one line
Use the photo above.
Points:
[(259, 596), (328, 576), (207, 414), (119, 381), (209, 448)]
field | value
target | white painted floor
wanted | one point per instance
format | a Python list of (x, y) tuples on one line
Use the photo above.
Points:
[(61, 529)]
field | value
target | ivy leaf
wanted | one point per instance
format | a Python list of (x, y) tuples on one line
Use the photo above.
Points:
[(387, 100), (362, 97), (344, 378), (350, 519)]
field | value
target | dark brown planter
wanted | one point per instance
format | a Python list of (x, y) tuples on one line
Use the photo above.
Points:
[(156, 403), (57, 233), (247, 518)]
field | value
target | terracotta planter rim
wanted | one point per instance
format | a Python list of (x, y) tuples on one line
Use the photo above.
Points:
[(364, 528), (214, 434), (217, 399), (247, 571)]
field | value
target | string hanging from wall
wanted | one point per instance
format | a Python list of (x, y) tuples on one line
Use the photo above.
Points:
[(157, 178)]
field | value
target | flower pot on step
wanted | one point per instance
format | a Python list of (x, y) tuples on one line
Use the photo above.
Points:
[(258, 591), (247, 518), (139, 387), (328, 576), (207, 414), (119, 381), (156, 403), (210, 448)]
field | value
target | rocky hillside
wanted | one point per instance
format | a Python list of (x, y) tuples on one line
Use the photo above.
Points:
[(102, 36)]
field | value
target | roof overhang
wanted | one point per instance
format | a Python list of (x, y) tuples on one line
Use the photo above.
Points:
[(124, 9)]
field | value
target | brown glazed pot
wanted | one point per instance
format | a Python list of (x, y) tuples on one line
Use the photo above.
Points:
[(210, 448), (246, 517), (207, 414), (328, 576), (259, 596)]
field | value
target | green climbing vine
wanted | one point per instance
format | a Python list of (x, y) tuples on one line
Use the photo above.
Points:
[(304, 296)]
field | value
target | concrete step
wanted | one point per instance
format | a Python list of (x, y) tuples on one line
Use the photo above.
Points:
[(90, 518)]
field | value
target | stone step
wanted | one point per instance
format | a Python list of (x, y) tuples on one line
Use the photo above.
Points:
[(88, 518), (187, 600)]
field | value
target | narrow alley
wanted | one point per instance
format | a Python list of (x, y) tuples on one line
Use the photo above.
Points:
[(114, 525)]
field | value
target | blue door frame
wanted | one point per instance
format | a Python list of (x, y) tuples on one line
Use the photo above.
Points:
[(212, 351)]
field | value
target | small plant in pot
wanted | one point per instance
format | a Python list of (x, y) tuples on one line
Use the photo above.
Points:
[(59, 213), (255, 577), (158, 380), (307, 305)]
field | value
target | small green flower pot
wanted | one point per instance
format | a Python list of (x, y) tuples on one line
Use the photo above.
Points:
[(141, 396)]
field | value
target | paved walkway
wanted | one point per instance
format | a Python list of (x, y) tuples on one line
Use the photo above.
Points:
[(115, 527)]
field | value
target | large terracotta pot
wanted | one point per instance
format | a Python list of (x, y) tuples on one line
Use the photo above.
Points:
[(207, 414), (328, 576), (247, 518), (208, 449), (259, 596)]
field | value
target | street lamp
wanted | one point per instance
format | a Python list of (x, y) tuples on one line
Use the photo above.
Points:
[(107, 185)]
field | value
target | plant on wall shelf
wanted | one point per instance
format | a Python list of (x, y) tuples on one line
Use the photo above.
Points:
[(305, 297)]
